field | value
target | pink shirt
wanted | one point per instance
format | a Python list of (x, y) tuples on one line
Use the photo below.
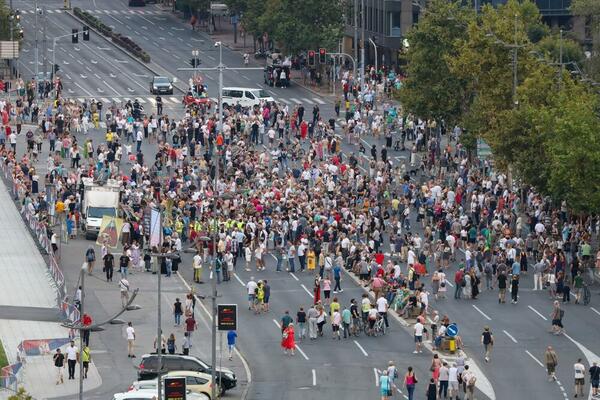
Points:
[(326, 284)]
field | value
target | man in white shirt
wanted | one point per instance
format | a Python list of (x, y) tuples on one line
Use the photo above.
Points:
[(579, 369), (251, 286), (453, 381), (418, 331), (72, 358), (130, 332), (469, 380), (382, 308)]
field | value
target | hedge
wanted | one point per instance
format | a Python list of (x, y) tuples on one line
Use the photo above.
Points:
[(117, 38)]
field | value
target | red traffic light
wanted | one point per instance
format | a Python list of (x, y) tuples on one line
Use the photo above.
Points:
[(322, 52), (311, 53)]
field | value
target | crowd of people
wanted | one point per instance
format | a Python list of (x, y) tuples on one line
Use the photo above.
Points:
[(274, 180)]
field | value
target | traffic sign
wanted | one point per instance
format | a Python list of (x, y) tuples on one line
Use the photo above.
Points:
[(227, 317), (452, 330), (175, 388)]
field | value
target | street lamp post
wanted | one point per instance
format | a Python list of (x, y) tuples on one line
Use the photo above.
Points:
[(362, 47), (376, 71)]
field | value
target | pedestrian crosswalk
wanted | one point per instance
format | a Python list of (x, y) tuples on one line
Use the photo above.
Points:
[(99, 12), (173, 100)]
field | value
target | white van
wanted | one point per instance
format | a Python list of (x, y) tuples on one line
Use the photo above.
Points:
[(246, 97)]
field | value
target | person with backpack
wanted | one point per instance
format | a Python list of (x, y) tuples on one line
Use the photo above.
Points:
[(90, 258), (470, 380), (487, 340)]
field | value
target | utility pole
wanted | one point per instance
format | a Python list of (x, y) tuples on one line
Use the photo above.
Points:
[(45, 45), (362, 47), (355, 35), (81, 308), (36, 51), (515, 65), (562, 65)]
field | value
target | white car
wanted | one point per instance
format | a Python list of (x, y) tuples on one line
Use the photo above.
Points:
[(246, 97), (152, 395)]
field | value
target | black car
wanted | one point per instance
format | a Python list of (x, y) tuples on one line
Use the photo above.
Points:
[(161, 85), (149, 365), (137, 3)]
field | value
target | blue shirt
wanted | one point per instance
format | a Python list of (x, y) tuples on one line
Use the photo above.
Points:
[(337, 271), (231, 337), (516, 268)]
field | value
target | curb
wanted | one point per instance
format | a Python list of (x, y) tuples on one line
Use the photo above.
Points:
[(244, 394), (151, 66)]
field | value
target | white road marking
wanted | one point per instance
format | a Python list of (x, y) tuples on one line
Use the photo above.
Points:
[(174, 99), (538, 313), (376, 376), (307, 291), (594, 310), (588, 354), (295, 100), (122, 61), (50, 11), (309, 101), (81, 100), (238, 279), (534, 358), (318, 100), (68, 76), (100, 90), (294, 276), (112, 88), (361, 348), (245, 77), (103, 48), (105, 100), (85, 90), (314, 376), (97, 76), (481, 312), (510, 336), (447, 281), (301, 352), (211, 57), (140, 75), (116, 99), (142, 101)]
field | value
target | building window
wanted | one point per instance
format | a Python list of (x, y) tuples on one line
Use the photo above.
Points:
[(394, 23)]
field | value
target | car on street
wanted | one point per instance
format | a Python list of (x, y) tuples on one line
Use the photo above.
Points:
[(161, 85), (246, 97), (151, 395), (148, 367), (195, 382), (137, 3)]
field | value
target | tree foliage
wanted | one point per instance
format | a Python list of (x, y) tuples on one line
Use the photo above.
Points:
[(4, 21), (21, 394)]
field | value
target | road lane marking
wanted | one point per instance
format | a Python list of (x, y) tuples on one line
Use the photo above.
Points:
[(174, 99), (538, 313), (314, 376), (361, 348), (318, 100), (534, 358), (105, 100), (116, 99), (481, 312), (295, 100), (376, 373), (112, 88), (294, 276), (238, 279), (142, 101), (297, 347), (510, 336), (85, 90), (245, 77), (309, 101), (594, 310), (307, 291)]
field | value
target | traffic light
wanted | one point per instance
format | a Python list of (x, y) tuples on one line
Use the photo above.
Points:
[(56, 68), (2, 86), (6, 86), (311, 58), (322, 53), (195, 62), (75, 35), (86, 33)]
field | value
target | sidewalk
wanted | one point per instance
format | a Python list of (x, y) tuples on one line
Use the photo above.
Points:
[(28, 308)]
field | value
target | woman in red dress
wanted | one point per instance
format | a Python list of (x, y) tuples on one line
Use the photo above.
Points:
[(288, 341), (317, 290)]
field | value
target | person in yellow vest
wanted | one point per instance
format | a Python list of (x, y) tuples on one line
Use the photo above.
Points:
[(85, 359)]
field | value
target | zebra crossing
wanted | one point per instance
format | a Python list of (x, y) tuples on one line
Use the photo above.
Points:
[(107, 12), (173, 100)]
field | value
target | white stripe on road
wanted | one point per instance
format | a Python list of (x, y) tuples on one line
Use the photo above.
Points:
[(50, 11), (594, 310), (534, 358), (112, 88), (314, 376), (449, 283), (294, 276), (301, 352), (307, 291), (118, 100), (538, 313), (318, 100), (295, 100), (238, 279), (376, 376), (309, 101), (510, 336), (141, 100), (152, 100), (105, 100), (284, 101), (85, 90), (481, 312), (174, 99), (361, 348), (81, 100)]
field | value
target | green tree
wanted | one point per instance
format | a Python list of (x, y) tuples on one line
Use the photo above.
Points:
[(431, 90), (4, 21), (297, 26), (20, 395)]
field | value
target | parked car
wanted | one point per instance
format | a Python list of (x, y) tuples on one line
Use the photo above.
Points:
[(151, 395), (195, 382), (161, 85), (149, 365)]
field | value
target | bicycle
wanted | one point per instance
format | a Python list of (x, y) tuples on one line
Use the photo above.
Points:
[(379, 328), (357, 327)]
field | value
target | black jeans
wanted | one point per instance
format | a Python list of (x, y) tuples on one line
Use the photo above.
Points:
[(337, 284), (109, 273), (72, 364)]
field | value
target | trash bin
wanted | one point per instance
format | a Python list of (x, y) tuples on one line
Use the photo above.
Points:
[(311, 260), (452, 345)]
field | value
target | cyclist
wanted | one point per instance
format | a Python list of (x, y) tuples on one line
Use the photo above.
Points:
[(372, 318), (356, 317), (365, 306)]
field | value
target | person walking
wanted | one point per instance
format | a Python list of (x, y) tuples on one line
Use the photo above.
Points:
[(109, 265), (469, 381), (72, 358), (186, 344), (579, 370), (288, 341), (418, 334), (514, 289), (487, 340), (124, 289), (231, 339), (410, 381), (59, 364), (301, 321), (130, 333), (595, 378), (190, 326), (90, 258), (171, 344), (557, 315), (551, 362), (86, 357), (177, 311), (443, 380), (313, 315), (501, 279), (453, 381), (385, 385)]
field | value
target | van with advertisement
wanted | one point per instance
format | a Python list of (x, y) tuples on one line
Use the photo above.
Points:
[(99, 199)]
